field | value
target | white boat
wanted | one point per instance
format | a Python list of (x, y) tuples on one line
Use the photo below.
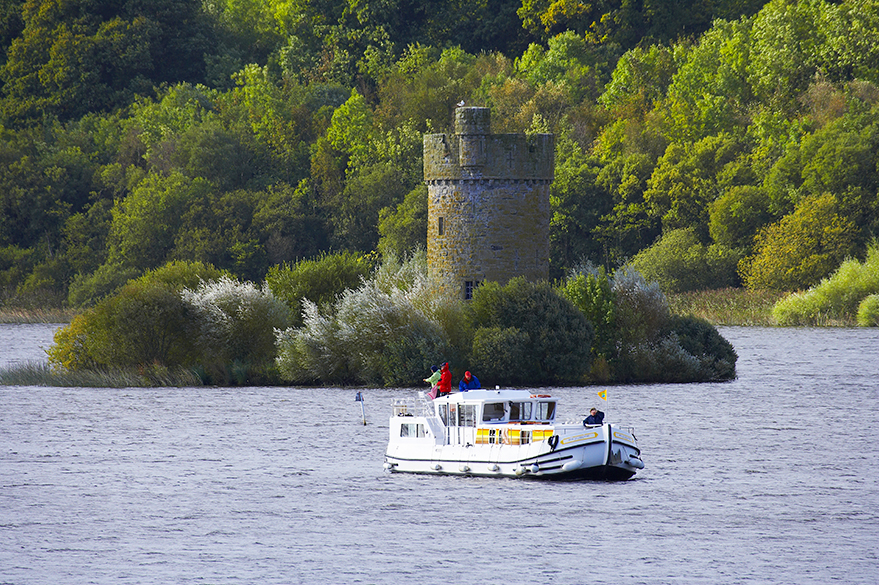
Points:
[(505, 433)]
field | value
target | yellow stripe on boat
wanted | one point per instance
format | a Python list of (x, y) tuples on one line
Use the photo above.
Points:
[(575, 438)]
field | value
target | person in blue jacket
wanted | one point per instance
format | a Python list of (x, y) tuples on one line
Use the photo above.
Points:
[(469, 382), (596, 417)]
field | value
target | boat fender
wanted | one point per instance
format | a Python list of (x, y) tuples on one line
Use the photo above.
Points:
[(553, 442)]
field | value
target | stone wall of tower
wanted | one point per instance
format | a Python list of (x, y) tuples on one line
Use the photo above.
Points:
[(488, 203)]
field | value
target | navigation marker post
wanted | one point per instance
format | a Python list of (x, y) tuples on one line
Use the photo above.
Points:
[(359, 398)]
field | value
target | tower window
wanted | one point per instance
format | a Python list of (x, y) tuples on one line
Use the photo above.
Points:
[(469, 287), (441, 229)]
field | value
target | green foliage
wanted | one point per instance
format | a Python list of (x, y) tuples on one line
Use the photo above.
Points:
[(559, 337), (737, 215), (868, 311), (571, 62), (145, 322), (73, 57), (88, 289), (321, 280), (699, 338), (653, 345), (404, 228), (145, 224), (679, 262), (837, 298), (180, 315), (800, 249), (249, 134), (592, 294), (577, 204), (498, 354)]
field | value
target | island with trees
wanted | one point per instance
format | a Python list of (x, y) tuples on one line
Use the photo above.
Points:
[(206, 173)]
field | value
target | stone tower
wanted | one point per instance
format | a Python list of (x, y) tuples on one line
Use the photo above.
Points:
[(488, 203)]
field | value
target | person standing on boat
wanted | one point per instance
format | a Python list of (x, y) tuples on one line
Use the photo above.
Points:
[(432, 380), (469, 382), (444, 386), (596, 417)]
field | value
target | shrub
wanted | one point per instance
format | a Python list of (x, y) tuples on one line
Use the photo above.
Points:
[(145, 321), (836, 298), (320, 280), (86, 290), (641, 307), (868, 312), (389, 330), (559, 336), (592, 295), (679, 263), (498, 353), (717, 357), (235, 324)]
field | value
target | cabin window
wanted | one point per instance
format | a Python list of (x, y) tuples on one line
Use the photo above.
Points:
[(440, 227), (520, 411), (493, 412), (524, 437), (444, 413), (412, 430), (466, 415), (545, 410)]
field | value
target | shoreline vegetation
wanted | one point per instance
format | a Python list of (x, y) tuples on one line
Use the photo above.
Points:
[(721, 307), (736, 307)]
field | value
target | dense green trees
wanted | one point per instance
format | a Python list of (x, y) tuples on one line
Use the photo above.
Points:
[(252, 134)]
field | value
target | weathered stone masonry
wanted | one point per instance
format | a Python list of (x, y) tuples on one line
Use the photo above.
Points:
[(488, 203)]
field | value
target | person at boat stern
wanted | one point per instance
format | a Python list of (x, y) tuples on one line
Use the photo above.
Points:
[(469, 382), (596, 417)]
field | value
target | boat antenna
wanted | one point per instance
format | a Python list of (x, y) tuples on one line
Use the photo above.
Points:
[(359, 398)]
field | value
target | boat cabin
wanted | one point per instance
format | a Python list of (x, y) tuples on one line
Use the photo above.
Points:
[(486, 407)]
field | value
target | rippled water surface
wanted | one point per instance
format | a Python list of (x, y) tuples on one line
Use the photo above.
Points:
[(771, 478)]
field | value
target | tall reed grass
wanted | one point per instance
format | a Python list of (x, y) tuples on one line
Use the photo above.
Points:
[(153, 376), (22, 315), (727, 306)]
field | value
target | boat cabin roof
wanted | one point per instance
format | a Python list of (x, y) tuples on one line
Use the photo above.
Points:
[(492, 396)]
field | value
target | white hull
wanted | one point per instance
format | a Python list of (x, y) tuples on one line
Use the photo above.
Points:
[(511, 449)]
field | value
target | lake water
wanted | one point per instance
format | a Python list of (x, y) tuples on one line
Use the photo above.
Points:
[(771, 478)]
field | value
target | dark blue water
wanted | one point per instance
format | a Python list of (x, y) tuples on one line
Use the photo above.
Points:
[(771, 478)]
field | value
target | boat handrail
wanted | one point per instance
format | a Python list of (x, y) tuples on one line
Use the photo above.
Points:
[(419, 406)]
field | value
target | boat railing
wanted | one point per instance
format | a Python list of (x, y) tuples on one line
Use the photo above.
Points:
[(420, 406)]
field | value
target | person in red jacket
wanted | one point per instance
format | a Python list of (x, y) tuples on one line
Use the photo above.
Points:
[(444, 386)]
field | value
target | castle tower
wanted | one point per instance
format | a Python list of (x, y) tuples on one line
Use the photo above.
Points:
[(488, 203)]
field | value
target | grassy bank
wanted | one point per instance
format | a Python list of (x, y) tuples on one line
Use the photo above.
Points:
[(728, 306)]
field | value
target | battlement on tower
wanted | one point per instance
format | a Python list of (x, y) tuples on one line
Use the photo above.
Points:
[(472, 152)]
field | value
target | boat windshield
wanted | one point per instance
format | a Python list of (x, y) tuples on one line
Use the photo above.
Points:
[(520, 411), (493, 412), (545, 410)]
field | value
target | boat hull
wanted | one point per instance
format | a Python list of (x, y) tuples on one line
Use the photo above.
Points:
[(570, 453)]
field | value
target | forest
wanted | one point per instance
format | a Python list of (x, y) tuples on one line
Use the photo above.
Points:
[(706, 144)]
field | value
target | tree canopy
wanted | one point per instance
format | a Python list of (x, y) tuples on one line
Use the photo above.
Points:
[(250, 135)]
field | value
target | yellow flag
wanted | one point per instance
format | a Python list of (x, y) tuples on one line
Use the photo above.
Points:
[(603, 395)]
